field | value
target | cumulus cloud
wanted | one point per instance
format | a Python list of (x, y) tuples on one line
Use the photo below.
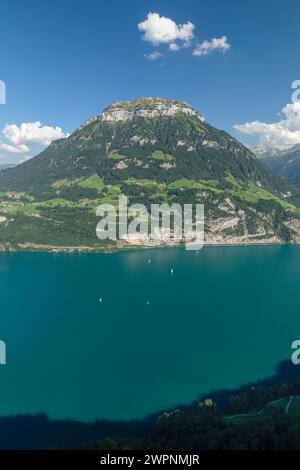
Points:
[(22, 148), (153, 56), (161, 30), (32, 132), (173, 46), (214, 45), (158, 30), (280, 134), (16, 140)]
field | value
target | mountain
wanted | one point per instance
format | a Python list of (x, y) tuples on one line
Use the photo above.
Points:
[(285, 163), (6, 165), (262, 151), (153, 150), (126, 141)]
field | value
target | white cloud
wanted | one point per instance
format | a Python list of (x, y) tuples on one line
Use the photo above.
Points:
[(26, 138), (280, 134), (158, 30), (153, 56), (208, 47), (173, 46), (32, 132), (22, 148)]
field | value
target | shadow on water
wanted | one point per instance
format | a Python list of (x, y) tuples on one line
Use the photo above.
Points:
[(40, 432), (286, 370)]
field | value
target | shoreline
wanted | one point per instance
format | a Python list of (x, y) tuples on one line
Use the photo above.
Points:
[(83, 249)]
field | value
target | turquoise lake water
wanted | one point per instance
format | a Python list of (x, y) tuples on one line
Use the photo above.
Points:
[(227, 316)]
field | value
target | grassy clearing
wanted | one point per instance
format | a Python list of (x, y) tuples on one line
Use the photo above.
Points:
[(253, 193), (16, 196), (116, 156), (185, 183), (159, 155), (34, 207), (146, 183), (110, 196), (64, 183), (250, 193), (232, 180), (157, 191), (92, 182)]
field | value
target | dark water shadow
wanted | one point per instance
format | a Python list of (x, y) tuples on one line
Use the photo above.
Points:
[(285, 370), (40, 432)]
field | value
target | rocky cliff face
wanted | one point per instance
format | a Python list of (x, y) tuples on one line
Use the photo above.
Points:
[(148, 108), (144, 108)]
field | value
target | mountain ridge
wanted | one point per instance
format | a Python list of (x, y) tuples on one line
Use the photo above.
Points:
[(143, 107), (153, 128), (154, 150), (285, 163)]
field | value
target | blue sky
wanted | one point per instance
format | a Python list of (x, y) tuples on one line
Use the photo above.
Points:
[(64, 61)]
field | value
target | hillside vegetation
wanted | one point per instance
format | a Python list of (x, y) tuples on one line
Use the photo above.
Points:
[(152, 151)]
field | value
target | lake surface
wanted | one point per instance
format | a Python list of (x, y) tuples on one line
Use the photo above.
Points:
[(225, 317)]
